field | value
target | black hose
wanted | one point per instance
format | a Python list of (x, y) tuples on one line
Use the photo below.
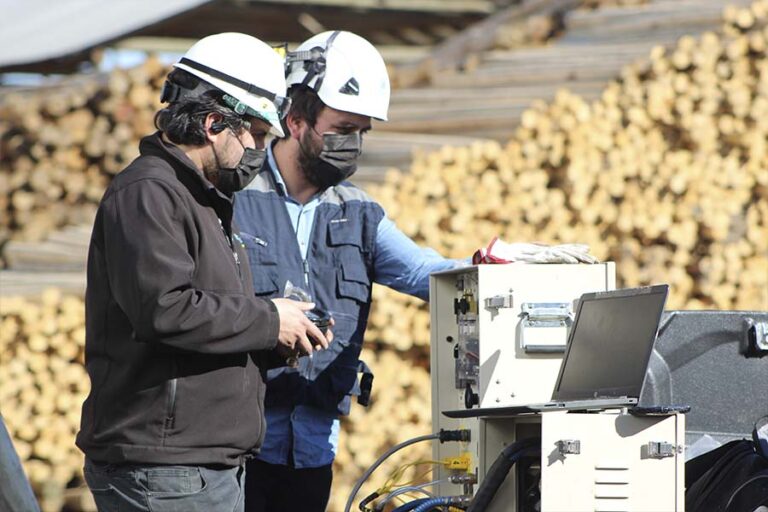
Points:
[(499, 471), (364, 504)]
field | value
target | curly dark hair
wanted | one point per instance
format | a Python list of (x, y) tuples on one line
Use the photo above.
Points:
[(183, 121)]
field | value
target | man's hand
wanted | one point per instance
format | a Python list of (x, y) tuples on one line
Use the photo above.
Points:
[(296, 329)]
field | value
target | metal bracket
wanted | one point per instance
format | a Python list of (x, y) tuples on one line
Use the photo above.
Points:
[(660, 450), (756, 335), (569, 447), (498, 302), (538, 315)]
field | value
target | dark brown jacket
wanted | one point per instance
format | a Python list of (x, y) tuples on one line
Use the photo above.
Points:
[(172, 323)]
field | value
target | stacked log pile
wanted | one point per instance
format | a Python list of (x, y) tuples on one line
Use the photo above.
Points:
[(62, 144), (538, 29), (42, 386), (481, 81), (594, 4)]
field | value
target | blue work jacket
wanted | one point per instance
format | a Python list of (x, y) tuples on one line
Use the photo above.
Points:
[(334, 247)]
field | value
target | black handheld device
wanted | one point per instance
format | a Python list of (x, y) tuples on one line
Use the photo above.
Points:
[(319, 317)]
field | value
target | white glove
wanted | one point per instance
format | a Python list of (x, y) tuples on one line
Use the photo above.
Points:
[(499, 251)]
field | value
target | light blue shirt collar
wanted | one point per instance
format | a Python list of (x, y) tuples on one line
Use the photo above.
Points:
[(279, 181)]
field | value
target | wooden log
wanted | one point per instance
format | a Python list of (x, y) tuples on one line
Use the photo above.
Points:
[(476, 38)]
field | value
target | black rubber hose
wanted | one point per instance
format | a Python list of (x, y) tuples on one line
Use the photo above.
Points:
[(499, 471)]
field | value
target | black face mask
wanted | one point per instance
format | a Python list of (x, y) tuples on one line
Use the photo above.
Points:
[(233, 179), (336, 161)]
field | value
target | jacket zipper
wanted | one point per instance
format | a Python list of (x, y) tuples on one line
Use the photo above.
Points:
[(305, 264), (233, 249), (171, 407), (237, 262)]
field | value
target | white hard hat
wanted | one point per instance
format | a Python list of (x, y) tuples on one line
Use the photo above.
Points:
[(345, 70), (247, 70)]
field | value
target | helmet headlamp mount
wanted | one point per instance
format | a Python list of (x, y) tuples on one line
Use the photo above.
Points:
[(314, 62), (345, 71)]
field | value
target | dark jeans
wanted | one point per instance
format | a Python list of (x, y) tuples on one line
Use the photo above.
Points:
[(278, 488), (15, 493), (140, 488)]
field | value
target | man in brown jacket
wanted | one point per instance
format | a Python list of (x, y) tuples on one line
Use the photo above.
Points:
[(175, 338)]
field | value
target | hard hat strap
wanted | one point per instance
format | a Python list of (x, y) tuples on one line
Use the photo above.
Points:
[(281, 103), (317, 57), (173, 92), (170, 93)]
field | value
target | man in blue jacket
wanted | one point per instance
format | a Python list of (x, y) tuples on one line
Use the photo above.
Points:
[(303, 224)]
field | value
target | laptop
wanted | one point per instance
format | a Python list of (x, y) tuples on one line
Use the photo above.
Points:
[(607, 354)]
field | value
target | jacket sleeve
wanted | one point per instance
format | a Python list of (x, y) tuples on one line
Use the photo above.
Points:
[(147, 232), (404, 266)]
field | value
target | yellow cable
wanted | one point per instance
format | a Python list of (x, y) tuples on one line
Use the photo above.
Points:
[(416, 479), (392, 481)]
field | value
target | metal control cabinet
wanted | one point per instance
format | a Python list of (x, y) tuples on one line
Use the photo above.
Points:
[(612, 461), (601, 461), (498, 333)]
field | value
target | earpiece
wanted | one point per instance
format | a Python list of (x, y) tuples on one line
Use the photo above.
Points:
[(217, 128)]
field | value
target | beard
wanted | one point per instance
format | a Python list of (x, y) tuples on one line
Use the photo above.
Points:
[(327, 163), (219, 158), (309, 159), (235, 168)]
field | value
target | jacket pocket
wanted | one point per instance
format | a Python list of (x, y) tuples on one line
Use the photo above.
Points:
[(173, 480), (264, 284), (259, 249), (170, 408), (345, 236), (345, 232), (352, 282), (333, 388)]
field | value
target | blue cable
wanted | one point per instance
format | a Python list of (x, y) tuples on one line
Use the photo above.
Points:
[(408, 507), (431, 503)]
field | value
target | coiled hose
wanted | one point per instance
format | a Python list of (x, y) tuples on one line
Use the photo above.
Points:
[(430, 503), (499, 471), (408, 507)]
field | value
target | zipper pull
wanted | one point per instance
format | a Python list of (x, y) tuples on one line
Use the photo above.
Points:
[(306, 272), (237, 262), (224, 232)]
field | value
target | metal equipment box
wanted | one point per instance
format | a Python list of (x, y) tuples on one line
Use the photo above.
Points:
[(603, 461), (612, 461), (498, 333)]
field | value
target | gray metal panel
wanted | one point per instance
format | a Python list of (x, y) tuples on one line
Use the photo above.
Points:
[(37, 30), (699, 360)]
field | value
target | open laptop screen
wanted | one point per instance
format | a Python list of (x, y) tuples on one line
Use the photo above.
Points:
[(610, 344)]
